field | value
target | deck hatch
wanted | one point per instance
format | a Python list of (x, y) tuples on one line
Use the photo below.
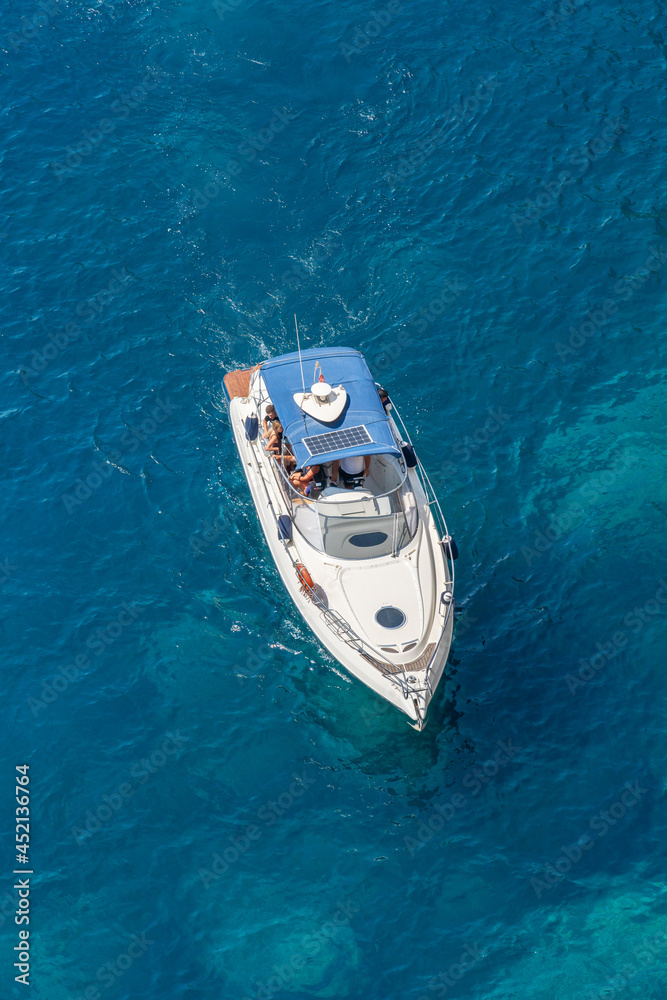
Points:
[(390, 617), (348, 437)]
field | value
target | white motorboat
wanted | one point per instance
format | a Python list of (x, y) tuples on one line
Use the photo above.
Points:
[(363, 547)]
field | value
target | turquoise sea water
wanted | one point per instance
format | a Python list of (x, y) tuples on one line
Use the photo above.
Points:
[(471, 194)]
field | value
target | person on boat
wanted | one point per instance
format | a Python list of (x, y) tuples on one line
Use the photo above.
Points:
[(275, 441), (384, 399), (303, 479), (351, 468), (270, 418), (286, 459)]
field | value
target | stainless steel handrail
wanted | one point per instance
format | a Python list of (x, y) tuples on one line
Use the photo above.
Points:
[(441, 525)]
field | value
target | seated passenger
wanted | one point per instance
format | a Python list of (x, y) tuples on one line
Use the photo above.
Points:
[(351, 468), (304, 479), (384, 399), (275, 442), (287, 459), (269, 420)]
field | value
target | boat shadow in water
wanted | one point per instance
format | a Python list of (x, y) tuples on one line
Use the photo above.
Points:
[(378, 740)]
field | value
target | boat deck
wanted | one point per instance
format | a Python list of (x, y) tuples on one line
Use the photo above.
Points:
[(399, 668), (238, 383)]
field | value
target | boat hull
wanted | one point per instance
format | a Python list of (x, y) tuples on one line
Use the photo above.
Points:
[(407, 681)]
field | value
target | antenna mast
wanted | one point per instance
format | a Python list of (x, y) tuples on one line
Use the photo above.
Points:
[(303, 384)]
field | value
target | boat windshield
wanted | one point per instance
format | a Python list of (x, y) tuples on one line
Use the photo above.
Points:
[(355, 524), (363, 523)]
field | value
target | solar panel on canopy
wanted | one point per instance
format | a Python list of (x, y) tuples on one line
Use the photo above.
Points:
[(349, 437), (343, 366)]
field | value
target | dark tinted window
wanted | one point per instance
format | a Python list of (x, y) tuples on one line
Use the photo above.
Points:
[(368, 539)]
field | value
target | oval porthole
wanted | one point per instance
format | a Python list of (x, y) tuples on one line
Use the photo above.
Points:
[(390, 617), (368, 539)]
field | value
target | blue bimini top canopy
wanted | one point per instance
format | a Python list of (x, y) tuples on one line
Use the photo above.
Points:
[(362, 429)]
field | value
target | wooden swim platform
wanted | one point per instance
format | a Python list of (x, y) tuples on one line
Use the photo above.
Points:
[(238, 383)]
